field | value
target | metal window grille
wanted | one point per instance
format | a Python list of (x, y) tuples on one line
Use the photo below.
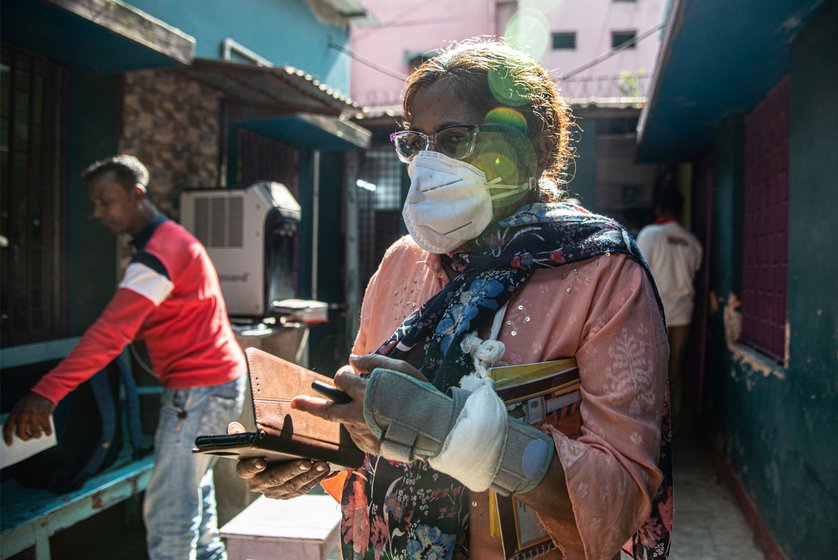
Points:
[(33, 111), (379, 209), (765, 232)]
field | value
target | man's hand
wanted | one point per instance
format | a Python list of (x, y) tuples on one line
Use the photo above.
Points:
[(29, 418), (279, 481)]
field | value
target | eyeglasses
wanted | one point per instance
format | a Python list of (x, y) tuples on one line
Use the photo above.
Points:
[(455, 141)]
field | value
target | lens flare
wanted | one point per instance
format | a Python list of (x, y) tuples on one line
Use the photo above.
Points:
[(503, 151), (507, 116), (529, 31), (505, 89)]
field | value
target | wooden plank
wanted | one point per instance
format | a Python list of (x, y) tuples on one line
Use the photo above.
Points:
[(134, 24)]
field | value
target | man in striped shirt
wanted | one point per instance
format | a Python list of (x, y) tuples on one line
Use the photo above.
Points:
[(171, 299)]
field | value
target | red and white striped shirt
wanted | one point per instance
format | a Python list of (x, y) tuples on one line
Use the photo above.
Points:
[(170, 298)]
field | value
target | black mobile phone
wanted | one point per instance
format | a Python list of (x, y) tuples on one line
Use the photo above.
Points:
[(225, 441), (335, 395)]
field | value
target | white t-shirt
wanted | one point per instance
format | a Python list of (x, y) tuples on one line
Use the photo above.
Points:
[(674, 255)]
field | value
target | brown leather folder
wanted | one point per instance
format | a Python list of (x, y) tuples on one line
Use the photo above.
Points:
[(284, 434)]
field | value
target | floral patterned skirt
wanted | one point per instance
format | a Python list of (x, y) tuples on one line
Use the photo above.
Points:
[(403, 511)]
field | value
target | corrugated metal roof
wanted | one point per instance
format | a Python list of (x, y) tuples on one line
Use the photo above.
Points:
[(284, 89)]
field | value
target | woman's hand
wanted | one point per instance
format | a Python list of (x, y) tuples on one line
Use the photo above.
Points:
[(280, 481), (351, 415), (368, 362)]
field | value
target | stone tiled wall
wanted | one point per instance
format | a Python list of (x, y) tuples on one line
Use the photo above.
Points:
[(171, 123)]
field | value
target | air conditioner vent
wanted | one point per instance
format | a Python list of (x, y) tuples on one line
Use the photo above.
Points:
[(202, 219), (235, 222), (219, 221)]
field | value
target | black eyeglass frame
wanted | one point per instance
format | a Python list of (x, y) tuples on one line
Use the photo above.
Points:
[(430, 141)]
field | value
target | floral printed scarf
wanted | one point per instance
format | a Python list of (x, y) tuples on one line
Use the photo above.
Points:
[(397, 510)]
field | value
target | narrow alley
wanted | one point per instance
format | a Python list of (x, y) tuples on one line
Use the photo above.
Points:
[(708, 522)]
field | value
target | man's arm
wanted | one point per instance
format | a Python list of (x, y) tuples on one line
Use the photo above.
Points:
[(142, 289), (115, 328)]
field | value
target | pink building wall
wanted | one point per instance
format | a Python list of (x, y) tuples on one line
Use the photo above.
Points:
[(412, 27), (409, 27), (593, 22)]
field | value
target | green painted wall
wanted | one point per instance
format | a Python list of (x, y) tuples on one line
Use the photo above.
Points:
[(727, 195), (330, 251), (92, 133), (327, 346), (778, 432), (811, 466), (306, 201)]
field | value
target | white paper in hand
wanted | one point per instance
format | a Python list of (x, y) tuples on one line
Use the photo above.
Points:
[(20, 450)]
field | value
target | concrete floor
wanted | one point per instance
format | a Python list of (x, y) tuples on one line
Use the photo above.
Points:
[(708, 523)]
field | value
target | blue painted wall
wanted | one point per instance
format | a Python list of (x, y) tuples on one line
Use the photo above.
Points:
[(748, 40), (285, 32)]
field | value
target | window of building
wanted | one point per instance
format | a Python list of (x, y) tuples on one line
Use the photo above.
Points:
[(33, 111), (619, 38), (564, 40), (414, 59), (765, 231)]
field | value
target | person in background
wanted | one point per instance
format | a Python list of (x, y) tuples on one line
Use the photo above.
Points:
[(170, 297), (496, 270), (674, 256)]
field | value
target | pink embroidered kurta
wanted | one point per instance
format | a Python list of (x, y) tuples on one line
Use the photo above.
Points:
[(602, 311)]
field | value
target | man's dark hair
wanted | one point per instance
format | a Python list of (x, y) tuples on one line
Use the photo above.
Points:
[(670, 202), (128, 170)]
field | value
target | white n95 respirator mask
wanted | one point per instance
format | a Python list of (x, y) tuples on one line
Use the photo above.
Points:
[(448, 202)]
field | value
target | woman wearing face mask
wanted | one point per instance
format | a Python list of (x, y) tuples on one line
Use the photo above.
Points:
[(493, 255)]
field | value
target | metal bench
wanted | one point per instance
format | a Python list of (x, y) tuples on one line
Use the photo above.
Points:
[(28, 516)]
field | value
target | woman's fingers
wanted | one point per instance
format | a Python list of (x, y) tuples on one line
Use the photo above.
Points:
[(353, 385), (368, 362), (248, 468), (281, 480), (235, 428), (287, 479)]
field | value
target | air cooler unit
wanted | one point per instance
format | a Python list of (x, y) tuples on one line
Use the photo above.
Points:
[(250, 235)]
